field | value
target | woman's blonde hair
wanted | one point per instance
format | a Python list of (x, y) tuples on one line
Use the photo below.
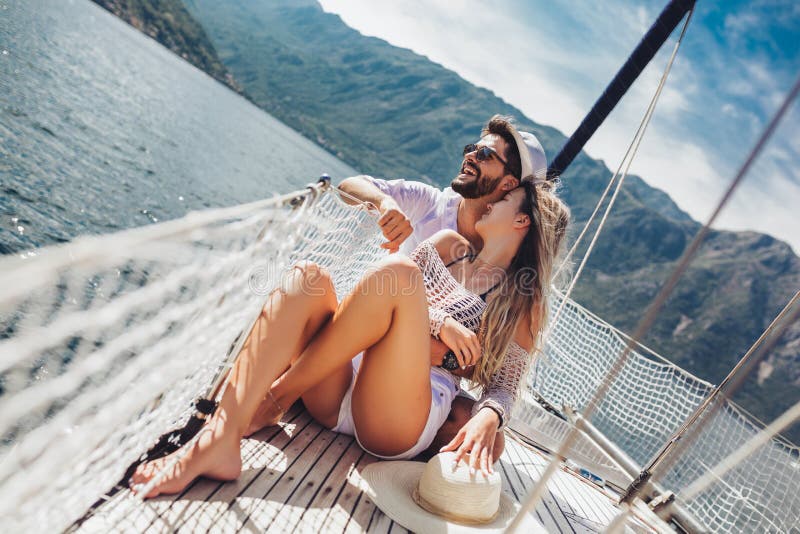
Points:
[(524, 292)]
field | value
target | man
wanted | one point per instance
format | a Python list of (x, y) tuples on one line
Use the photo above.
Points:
[(412, 211)]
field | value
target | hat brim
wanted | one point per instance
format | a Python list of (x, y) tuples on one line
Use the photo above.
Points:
[(391, 486)]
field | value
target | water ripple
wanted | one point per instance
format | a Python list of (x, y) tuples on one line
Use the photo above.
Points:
[(103, 129)]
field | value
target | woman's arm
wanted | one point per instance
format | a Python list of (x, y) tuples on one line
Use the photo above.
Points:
[(503, 389), (491, 412), (460, 339), (424, 256)]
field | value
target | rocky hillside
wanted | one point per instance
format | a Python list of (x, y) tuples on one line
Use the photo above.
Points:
[(169, 23)]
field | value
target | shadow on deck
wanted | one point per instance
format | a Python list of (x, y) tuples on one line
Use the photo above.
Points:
[(301, 477)]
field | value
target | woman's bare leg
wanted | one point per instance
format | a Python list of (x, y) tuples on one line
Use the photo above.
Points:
[(286, 324), (387, 315), (321, 309)]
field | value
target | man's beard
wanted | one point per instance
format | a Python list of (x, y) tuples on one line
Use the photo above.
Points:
[(477, 188)]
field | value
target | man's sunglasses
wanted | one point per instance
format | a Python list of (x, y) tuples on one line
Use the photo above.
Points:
[(483, 153)]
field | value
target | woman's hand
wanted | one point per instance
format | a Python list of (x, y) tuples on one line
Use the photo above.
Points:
[(462, 341), (476, 437)]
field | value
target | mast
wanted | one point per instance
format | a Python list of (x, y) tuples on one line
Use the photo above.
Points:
[(647, 48)]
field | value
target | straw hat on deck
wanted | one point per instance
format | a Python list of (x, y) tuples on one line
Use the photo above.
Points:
[(436, 498)]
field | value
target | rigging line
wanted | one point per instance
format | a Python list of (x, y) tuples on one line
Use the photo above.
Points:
[(633, 146), (654, 308), (668, 446), (589, 221), (735, 379), (759, 440), (354, 201), (629, 156), (642, 126), (716, 473), (656, 35)]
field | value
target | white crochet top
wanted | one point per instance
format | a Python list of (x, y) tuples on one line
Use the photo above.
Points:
[(448, 298)]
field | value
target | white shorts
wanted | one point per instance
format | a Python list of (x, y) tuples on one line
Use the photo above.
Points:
[(443, 390)]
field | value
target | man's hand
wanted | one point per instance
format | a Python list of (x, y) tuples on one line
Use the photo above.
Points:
[(476, 438), (394, 224)]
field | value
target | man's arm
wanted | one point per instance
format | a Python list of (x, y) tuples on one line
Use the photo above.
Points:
[(394, 223), (363, 189)]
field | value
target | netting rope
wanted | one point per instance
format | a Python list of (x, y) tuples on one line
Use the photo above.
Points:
[(116, 336), (649, 400), (157, 318)]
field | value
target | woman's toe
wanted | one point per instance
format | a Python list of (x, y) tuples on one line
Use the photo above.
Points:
[(144, 472), (137, 477)]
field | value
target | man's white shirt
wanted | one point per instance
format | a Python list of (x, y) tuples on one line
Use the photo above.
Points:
[(428, 209)]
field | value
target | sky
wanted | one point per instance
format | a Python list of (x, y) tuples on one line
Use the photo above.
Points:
[(553, 58)]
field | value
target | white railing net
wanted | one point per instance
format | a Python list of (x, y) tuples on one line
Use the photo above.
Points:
[(648, 401), (105, 343)]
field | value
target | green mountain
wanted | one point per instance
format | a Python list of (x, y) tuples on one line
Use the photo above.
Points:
[(169, 23), (393, 113)]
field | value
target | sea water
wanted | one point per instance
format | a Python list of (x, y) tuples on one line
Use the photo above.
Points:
[(102, 128)]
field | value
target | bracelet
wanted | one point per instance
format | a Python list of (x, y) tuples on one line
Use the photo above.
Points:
[(495, 410)]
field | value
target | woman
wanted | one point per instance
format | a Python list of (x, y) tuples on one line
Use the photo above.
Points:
[(399, 398)]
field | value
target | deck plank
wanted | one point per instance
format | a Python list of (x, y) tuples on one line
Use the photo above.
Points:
[(551, 517), (596, 505), (267, 450), (254, 498), (277, 436), (534, 466), (563, 490), (301, 477), (203, 502), (166, 513), (364, 508), (299, 501), (122, 509), (592, 507), (551, 502), (512, 485), (264, 499), (335, 497), (382, 524)]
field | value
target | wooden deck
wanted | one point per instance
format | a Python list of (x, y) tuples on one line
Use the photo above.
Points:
[(301, 477)]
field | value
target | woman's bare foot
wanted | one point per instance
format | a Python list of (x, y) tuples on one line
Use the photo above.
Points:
[(216, 455), (269, 413)]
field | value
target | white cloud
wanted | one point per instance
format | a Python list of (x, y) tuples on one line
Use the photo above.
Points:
[(554, 76), (740, 24), (763, 208)]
